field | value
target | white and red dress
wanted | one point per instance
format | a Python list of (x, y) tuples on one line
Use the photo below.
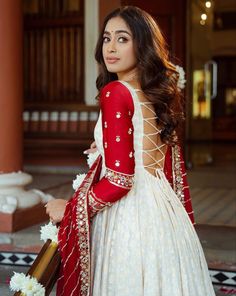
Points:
[(126, 231)]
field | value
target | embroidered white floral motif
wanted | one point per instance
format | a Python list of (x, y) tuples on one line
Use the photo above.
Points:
[(117, 163), (118, 115)]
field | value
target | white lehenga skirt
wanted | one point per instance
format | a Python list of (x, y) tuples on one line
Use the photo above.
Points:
[(145, 245)]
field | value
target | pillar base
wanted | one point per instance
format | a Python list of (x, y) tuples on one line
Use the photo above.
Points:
[(22, 218)]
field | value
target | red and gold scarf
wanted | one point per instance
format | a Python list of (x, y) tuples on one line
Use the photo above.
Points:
[(74, 239)]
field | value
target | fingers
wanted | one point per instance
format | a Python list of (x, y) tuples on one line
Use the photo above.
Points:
[(93, 150), (55, 210), (46, 206), (52, 221), (48, 212), (93, 145)]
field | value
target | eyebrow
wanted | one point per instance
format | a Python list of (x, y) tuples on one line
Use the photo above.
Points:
[(117, 32)]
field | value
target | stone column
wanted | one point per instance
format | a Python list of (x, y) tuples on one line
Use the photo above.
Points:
[(17, 206), (90, 38), (11, 85)]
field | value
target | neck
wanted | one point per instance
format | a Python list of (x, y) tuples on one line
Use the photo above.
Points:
[(129, 76)]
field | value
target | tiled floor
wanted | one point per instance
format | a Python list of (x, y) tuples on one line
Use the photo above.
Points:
[(213, 196)]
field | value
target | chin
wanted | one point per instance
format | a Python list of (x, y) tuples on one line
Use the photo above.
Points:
[(112, 69)]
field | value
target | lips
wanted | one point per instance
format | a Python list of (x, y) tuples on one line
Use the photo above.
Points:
[(112, 60)]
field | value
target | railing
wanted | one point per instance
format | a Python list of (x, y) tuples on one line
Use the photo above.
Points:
[(68, 126), (54, 113)]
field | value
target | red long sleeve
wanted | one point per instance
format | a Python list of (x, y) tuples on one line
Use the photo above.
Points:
[(117, 111)]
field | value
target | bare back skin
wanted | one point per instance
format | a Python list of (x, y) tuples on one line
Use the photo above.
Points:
[(154, 149)]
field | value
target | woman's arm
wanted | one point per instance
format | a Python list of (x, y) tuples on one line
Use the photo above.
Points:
[(117, 111)]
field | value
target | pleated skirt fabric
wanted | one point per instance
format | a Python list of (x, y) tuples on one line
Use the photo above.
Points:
[(146, 245)]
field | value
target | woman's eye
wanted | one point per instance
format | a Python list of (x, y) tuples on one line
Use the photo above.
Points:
[(122, 39), (106, 39)]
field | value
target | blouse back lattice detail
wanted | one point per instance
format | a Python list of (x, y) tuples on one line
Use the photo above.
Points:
[(153, 150)]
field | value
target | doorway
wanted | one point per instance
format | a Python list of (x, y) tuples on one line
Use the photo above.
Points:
[(211, 59)]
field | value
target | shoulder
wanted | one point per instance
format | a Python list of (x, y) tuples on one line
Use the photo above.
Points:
[(115, 86), (115, 93)]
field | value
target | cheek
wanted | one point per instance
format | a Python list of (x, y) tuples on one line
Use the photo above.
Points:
[(131, 57)]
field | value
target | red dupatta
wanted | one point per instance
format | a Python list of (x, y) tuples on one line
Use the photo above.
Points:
[(74, 239)]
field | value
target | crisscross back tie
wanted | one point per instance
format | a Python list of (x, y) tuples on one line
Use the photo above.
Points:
[(156, 164)]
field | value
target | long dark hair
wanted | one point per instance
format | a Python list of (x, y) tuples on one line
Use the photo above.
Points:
[(157, 75)]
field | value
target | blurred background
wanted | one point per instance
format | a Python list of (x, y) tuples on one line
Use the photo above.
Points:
[(48, 112)]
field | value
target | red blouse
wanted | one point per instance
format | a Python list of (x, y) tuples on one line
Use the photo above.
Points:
[(117, 111)]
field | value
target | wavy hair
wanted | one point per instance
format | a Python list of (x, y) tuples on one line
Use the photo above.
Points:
[(157, 75)]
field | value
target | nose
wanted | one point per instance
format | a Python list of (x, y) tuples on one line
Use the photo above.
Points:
[(111, 46)]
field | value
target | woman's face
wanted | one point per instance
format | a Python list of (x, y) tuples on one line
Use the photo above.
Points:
[(118, 48)]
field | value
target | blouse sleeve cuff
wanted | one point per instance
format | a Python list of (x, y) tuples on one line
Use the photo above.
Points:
[(119, 179), (96, 204)]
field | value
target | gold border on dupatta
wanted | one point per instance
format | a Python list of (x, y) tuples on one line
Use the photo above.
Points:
[(178, 184), (84, 235)]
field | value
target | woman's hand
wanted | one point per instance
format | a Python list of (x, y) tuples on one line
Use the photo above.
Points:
[(55, 209), (92, 149)]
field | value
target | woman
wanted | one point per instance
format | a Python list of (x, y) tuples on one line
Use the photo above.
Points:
[(125, 231)]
